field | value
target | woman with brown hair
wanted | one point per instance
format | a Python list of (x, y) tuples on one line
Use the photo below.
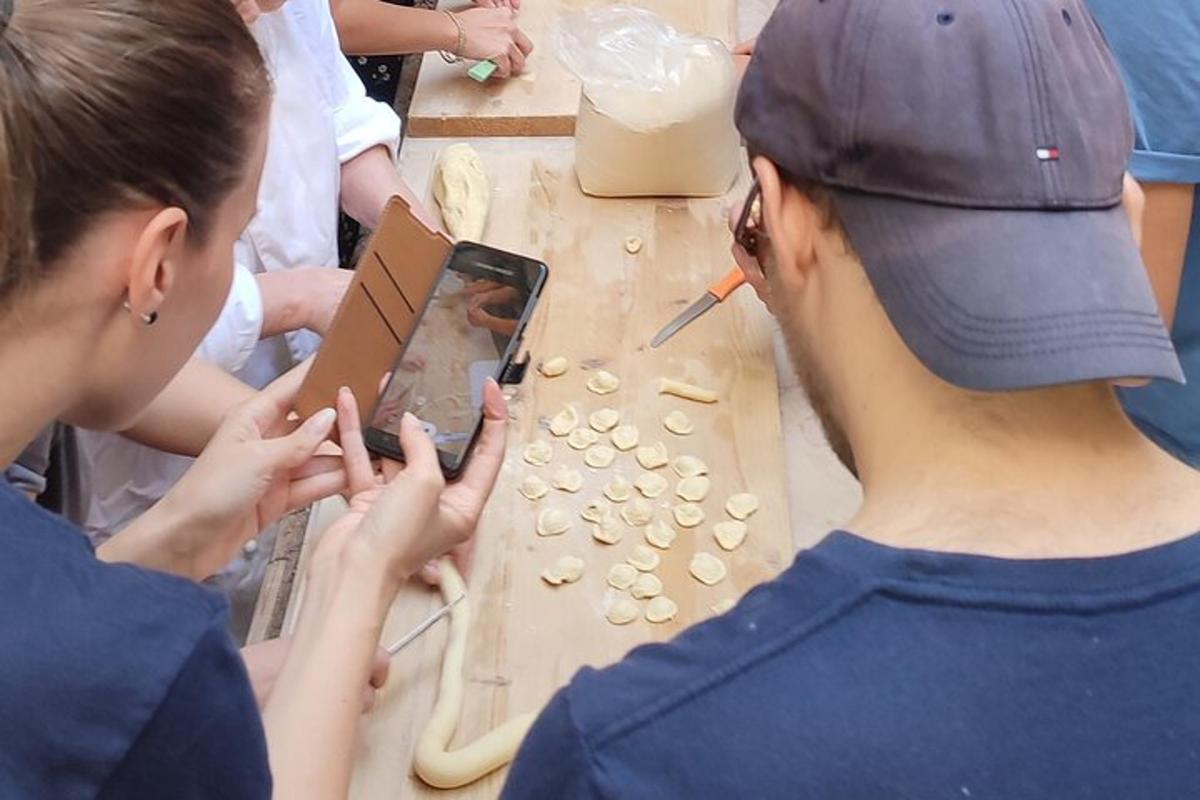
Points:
[(132, 137)]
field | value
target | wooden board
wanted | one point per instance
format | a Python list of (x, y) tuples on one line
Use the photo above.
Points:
[(600, 308), (544, 100)]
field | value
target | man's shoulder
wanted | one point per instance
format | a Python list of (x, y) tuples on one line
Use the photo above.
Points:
[(770, 623)]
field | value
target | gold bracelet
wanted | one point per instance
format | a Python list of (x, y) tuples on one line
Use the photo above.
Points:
[(456, 55)]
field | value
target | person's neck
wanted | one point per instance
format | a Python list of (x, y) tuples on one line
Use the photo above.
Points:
[(1048, 473), (39, 368)]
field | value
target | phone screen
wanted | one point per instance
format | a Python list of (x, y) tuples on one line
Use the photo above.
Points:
[(468, 332)]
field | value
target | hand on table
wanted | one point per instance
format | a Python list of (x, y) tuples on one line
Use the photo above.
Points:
[(478, 315), (408, 515), (492, 34), (742, 53), (265, 660)]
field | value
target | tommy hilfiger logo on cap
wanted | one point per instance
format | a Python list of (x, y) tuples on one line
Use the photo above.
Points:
[(1047, 154)]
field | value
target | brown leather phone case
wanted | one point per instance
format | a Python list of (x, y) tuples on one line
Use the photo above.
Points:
[(392, 281)]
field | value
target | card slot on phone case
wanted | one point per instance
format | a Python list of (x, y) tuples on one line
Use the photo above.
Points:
[(392, 281), (388, 298)]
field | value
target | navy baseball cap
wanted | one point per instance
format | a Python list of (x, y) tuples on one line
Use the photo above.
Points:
[(975, 150)]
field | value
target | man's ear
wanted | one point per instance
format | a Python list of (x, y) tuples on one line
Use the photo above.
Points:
[(790, 219), (156, 255)]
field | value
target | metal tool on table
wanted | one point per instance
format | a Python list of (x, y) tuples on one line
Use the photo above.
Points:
[(411, 636), (715, 294)]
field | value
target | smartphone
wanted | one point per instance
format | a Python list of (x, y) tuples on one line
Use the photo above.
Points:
[(470, 330)]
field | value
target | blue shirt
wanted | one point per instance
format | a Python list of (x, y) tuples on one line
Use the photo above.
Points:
[(865, 671), (1157, 45), (115, 681)]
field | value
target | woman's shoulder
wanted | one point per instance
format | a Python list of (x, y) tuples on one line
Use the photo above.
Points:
[(92, 652)]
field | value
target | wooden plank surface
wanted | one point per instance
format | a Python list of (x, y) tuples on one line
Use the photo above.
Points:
[(544, 100), (600, 308)]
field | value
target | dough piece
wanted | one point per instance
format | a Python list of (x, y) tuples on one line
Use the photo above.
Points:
[(596, 510), (652, 456), (707, 568), (553, 522), (603, 382), (661, 609), (637, 513), (689, 467), (651, 484), (538, 453), (721, 606), (741, 506), (564, 421), (599, 456), (461, 189), (678, 423), (693, 489), (622, 576), (567, 569), (618, 490), (686, 390), (433, 762), (582, 438), (607, 531), (646, 586), (660, 534), (533, 488), (605, 419), (553, 367), (730, 534), (623, 611), (625, 437), (567, 479), (688, 515), (633, 244), (643, 558)]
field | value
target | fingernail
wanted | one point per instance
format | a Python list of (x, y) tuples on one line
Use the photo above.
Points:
[(323, 418), (409, 418), (344, 390)]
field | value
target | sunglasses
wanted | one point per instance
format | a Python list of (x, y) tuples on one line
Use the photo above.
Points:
[(749, 232)]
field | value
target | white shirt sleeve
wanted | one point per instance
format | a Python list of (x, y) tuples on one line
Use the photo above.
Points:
[(232, 339), (360, 122)]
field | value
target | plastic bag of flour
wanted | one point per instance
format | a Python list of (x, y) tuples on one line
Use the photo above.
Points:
[(656, 110)]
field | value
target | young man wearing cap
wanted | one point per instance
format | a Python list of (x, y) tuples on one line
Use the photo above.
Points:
[(1012, 613)]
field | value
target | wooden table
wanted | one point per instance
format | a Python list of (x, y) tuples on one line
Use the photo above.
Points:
[(600, 309), (544, 100)]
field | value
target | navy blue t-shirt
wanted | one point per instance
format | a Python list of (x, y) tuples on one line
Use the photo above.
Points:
[(115, 681), (865, 671)]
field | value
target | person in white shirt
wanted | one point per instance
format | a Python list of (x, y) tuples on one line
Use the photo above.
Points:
[(330, 146)]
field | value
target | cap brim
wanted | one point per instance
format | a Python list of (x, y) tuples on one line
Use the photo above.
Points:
[(998, 299)]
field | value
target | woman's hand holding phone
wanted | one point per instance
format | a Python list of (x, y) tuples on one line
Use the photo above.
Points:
[(407, 514), (258, 466)]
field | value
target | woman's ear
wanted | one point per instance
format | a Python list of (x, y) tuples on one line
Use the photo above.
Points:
[(791, 222), (156, 255)]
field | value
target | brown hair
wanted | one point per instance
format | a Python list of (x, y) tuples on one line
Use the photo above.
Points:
[(106, 104)]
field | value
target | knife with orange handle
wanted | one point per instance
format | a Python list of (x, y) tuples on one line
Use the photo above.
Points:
[(715, 294)]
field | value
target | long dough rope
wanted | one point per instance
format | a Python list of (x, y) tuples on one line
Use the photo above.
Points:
[(434, 763)]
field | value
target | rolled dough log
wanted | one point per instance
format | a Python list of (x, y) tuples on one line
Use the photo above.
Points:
[(461, 189), (632, 142), (434, 762)]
